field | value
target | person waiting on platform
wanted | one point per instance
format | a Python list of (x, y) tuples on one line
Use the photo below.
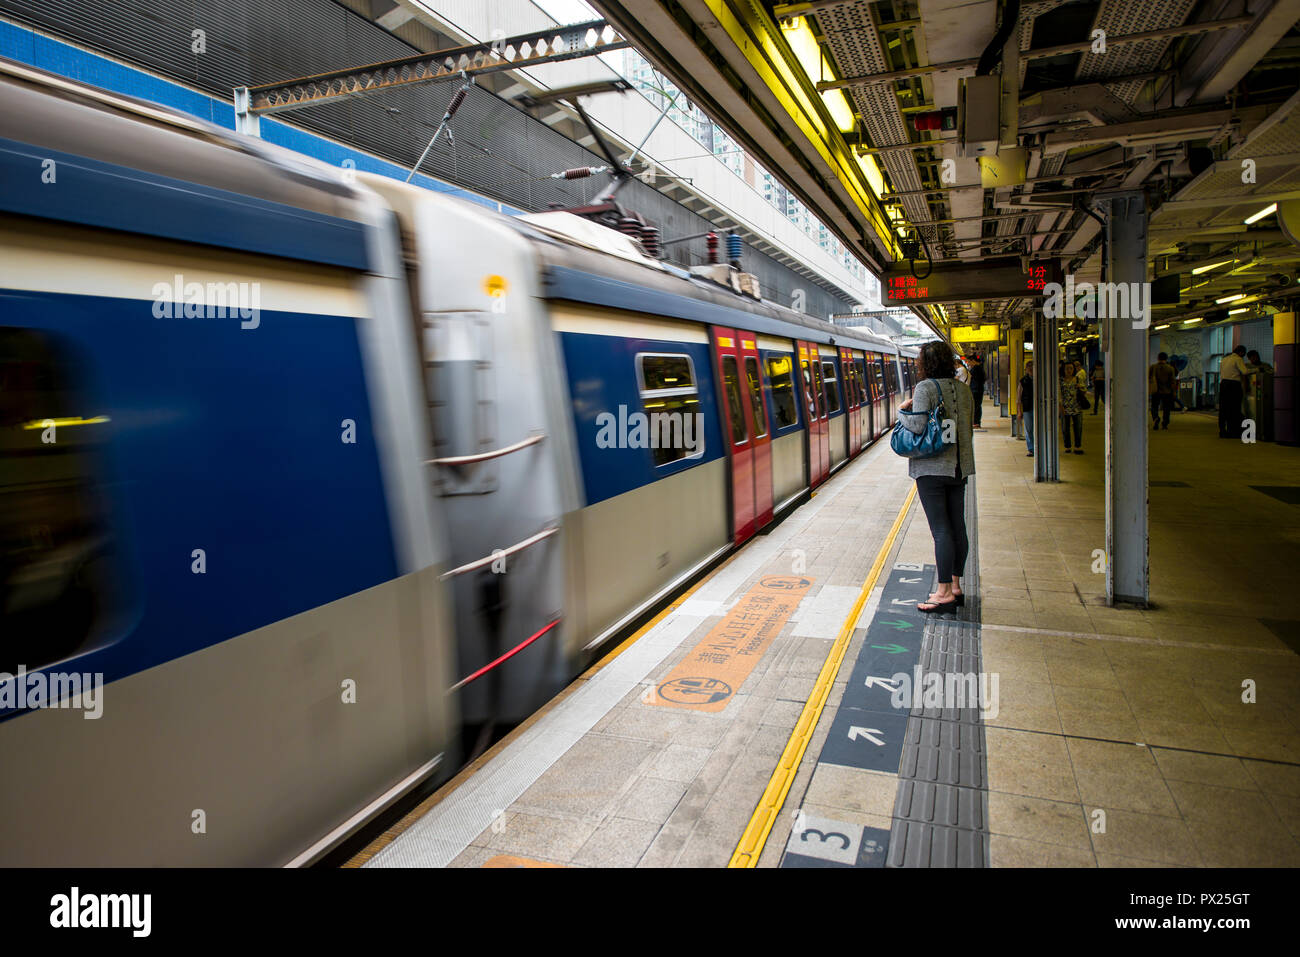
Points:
[(1025, 400), (978, 377), (962, 374), (1098, 385), (1070, 414), (1162, 383), (1257, 366), (1232, 381), (941, 479)]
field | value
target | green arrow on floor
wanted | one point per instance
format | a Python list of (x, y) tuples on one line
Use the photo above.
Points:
[(898, 625), (892, 649)]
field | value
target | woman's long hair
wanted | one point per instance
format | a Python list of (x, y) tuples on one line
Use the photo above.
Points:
[(936, 361)]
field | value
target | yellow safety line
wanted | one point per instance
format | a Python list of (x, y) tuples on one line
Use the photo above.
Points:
[(769, 805)]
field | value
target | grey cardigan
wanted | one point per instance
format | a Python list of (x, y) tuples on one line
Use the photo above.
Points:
[(958, 404)]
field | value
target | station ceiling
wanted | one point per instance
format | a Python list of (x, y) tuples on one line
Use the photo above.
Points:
[(843, 100)]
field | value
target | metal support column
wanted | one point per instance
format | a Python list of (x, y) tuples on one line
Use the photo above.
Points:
[(1127, 578), (1047, 384), (1014, 373), (246, 121), (1000, 380)]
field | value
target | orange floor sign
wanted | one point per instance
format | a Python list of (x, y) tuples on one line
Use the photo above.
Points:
[(708, 677)]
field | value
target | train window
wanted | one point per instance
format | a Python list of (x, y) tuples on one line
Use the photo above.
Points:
[(878, 370), (862, 377), (808, 390), (756, 396), (830, 391), (817, 387), (779, 369), (731, 385), (57, 563), (669, 394)]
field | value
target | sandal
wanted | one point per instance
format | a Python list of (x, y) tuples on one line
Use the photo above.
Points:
[(936, 607)]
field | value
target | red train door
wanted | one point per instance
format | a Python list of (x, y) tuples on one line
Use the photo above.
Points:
[(738, 427), (810, 365), (864, 395), (853, 401), (761, 430)]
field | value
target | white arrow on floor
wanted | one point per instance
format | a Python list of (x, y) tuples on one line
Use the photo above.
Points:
[(869, 733), (872, 681)]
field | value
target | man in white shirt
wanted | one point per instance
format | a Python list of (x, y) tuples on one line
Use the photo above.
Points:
[(1233, 373)]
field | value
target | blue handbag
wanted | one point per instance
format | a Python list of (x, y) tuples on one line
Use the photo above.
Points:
[(929, 443)]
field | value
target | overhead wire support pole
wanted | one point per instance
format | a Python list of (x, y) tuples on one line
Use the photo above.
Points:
[(646, 138), (457, 99)]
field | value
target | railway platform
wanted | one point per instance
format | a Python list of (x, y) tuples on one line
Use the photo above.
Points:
[(795, 710)]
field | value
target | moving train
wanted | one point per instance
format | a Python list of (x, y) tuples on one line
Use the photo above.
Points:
[(305, 473)]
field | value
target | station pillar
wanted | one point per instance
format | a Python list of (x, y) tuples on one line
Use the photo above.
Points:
[(1286, 379), (1000, 379), (1047, 384), (1127, 360), (1014, 370)]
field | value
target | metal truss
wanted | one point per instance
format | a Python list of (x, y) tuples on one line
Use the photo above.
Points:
[(506, 53)]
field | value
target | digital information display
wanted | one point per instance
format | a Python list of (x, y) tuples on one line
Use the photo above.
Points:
[(976, 333), (1002, 278)]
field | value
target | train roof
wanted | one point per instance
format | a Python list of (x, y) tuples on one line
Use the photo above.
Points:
[(574, 269)]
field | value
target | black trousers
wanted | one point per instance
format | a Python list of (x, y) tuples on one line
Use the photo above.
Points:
[(1230, 408), (1075, 419), (944, 501), (977, 398), (1161, 402)]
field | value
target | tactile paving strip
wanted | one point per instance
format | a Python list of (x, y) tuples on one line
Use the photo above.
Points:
[(941, 810)]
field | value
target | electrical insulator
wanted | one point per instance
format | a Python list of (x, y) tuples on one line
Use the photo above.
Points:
[(630, 227), (456, 101), (711, 240), (650, 241), (733, 248)]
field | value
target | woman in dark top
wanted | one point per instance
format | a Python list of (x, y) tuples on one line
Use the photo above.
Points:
[(941, 479)]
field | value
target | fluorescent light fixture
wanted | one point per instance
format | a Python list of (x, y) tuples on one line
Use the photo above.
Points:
[(1232, 298), (1165, 326), (1267, 210), (1233, 312), (1200, 269), (1188, 322)]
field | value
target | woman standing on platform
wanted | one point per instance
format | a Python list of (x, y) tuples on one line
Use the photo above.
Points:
[(1098, 385), (1070, 414), (941, 479)]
